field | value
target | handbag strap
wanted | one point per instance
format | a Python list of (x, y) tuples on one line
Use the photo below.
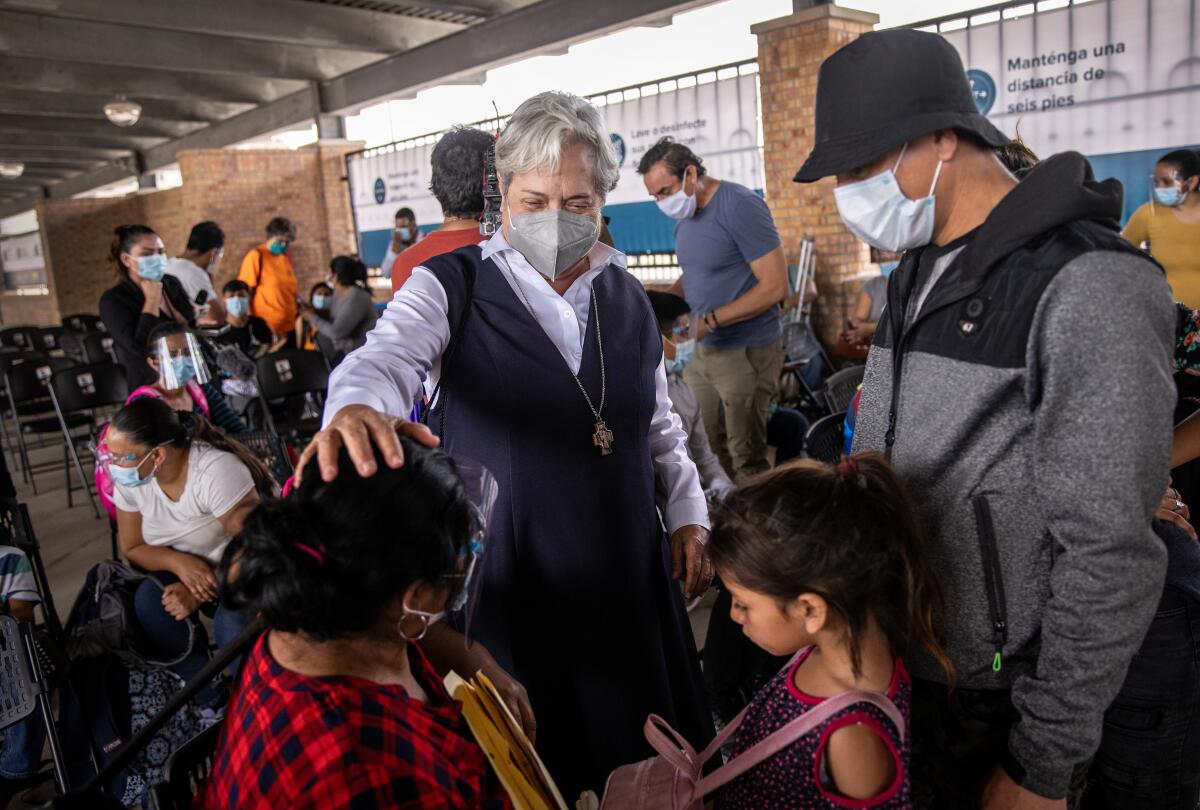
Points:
[(671, 746), (790, 732)]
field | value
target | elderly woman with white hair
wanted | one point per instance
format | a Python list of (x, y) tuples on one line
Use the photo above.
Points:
[(548, 368)]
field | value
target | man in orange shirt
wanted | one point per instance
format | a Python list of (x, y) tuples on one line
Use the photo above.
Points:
[(458, 161), (268, 272)]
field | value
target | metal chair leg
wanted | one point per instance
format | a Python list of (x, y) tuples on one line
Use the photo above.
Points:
[(70, 441)]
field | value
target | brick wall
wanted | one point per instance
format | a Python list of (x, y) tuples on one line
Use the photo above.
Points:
[(790, 51), (28, 310)]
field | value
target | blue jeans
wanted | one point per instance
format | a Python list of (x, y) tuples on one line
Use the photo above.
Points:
[(1150, 754), (170, 635), (21, 747)]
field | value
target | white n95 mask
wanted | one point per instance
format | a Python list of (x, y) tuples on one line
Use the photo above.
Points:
[(877, 212), (553, 241)]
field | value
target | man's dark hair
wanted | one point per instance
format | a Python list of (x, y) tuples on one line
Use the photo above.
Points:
[(1017, 157), (235, 286), (1186, 162), (206, 236), (406, 212), (458, 166), (667, 308), (677, 157), (281, 226)]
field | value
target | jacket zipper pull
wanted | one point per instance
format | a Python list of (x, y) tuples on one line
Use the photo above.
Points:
[(889, 438), (999, 634)]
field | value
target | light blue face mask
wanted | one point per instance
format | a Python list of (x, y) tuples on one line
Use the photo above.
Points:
[(237, 307), (887, 268), (1170, 196), (184, 369), (877, 212), (405, 234), (128, 476), (685, 350), (320, 302), (152, 268)]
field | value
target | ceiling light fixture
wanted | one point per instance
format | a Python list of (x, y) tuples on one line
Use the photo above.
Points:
[(123, 112), (10, 171)]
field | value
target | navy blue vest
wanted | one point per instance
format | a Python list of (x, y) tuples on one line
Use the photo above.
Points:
[(576, 599)]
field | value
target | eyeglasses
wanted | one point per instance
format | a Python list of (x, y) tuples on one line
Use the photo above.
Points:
[(108, 458)]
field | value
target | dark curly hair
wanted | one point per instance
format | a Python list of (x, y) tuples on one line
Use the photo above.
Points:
[(458, 166), (847, 534), (677, 156), (375, 535)]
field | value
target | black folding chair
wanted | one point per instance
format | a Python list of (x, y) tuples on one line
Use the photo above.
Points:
[(83, 323), (98, 348), (300, 379), (840, 388), (78, 393), (33, 411), (25, 688), (271, 450), (826, 439), (53, 338), (22, 338), (16, 529), (9, 358), (187, 770)]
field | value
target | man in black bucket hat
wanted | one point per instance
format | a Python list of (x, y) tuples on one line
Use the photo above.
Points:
[(1020, 331)]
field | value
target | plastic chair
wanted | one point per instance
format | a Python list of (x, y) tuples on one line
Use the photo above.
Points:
[(76, 394), (293, 375), (22, 338), (840, 388), (825, 440), (98, 348), (27, 384), (53, 338), (24, 689), (16, 529), (187, 770), (84, 322), (271, 450)]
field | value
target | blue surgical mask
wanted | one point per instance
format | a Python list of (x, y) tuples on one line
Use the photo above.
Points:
[(1170, 196), (237, 307), (877, 212), (184, 368), (152, 268), (320, 302), (128, 476), (684, 351), (405, 234), (887, 268)]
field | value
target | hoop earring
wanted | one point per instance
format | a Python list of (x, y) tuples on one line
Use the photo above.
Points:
[(425, 622)]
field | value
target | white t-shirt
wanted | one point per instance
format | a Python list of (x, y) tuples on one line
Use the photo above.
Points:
[(193, 278), (216, 481)]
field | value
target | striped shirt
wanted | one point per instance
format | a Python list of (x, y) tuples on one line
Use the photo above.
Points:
[(16, 578)]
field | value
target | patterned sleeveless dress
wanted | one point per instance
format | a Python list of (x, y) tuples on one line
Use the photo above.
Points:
[(796, 777)]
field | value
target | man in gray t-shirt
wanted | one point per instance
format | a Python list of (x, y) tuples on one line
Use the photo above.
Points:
[(734, 277)]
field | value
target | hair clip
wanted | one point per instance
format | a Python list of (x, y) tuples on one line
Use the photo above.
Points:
[(317, 553), (848, 470)]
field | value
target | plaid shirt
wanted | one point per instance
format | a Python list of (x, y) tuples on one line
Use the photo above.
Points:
[(293, 741)]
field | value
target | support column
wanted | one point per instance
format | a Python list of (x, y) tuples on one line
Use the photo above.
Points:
[(790, 52), (331, 127)]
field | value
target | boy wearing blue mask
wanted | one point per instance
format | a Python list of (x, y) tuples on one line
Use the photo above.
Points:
[(249, 333), (1034, 490), (404, 235)]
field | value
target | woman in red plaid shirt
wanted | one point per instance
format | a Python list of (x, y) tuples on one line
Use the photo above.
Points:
[(337, 706)]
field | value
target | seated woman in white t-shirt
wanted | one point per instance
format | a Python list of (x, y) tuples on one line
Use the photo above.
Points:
[(182, 490)]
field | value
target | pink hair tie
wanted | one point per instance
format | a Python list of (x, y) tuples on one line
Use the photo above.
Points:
[(317, 553)]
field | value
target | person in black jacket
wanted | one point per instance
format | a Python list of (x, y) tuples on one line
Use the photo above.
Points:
[(142, 299)]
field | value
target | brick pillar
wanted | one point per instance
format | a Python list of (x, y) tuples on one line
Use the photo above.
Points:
[(790, 51)]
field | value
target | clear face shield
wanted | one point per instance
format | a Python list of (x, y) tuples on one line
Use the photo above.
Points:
[(180, 361), (482, 490)]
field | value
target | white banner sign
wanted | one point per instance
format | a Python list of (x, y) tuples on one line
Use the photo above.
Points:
[(18, 253), (1104, 77), (718, 120)]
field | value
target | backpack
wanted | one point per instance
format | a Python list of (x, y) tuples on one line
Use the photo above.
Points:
[(104, 482), (675, 779), (115, 687)]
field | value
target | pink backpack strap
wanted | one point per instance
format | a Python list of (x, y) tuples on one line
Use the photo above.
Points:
[(144, 391), (198, 397), (794, 730)]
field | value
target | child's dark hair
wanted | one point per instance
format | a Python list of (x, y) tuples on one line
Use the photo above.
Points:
[(847, 534), (150, 422), (349, 271), (329, 559), (164, 329), (235, 285), (124, 238)]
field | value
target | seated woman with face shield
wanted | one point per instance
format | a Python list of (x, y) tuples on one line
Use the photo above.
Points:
[(181, 491), (337, 705)]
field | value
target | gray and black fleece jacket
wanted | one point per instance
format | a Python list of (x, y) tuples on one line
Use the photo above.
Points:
[(1025, 396)]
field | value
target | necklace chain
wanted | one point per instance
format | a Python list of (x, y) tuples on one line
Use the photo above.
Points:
[(599, 345)]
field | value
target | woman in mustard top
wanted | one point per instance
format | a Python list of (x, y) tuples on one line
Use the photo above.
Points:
[(1169, 225)]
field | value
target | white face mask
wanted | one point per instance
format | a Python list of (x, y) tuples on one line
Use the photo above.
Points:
[(877, 212), (553, 241), (679, 206)]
